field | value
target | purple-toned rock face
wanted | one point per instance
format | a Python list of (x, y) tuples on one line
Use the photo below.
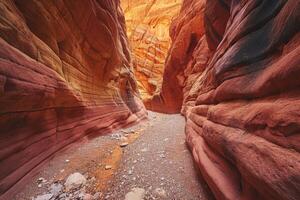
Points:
[(65, 73)]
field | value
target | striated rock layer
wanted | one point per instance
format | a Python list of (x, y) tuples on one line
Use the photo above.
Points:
[(187, 58), (65, 73), (148, 25), (244, 128), (236, 73)]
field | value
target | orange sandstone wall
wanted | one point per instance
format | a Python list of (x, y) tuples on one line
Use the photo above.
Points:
[(148, 25), (65, 73), (184, 64)]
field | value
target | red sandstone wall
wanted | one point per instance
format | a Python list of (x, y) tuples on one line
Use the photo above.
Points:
[(184, 63), (244, 128), (65, 73), (234, 66)]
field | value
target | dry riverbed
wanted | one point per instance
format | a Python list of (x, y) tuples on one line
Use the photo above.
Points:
[(147, 161)]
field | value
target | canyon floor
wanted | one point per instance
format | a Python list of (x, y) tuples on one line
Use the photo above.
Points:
[(149, 160)]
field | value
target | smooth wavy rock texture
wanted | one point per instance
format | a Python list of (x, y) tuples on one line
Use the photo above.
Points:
[(65, 74), (187, 57), (244, 128), (148, 25), (233, 70)]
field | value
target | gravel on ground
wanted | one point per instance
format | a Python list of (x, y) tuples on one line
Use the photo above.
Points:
[(147, 161)]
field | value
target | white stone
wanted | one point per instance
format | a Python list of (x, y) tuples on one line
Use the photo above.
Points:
[(160, 193), (135, 194), (44, 197), (124, 144), (107, 167), (75, 180), (162, 156)]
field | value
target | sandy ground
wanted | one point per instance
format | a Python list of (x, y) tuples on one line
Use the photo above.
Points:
[(159, 159), (156, 160)]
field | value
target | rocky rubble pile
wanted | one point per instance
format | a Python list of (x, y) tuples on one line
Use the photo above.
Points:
[(74, 187)]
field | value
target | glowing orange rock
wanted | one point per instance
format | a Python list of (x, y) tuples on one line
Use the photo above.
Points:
[(148, 25)]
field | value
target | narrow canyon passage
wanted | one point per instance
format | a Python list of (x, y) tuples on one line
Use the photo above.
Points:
[(155, 161), (80, 78)]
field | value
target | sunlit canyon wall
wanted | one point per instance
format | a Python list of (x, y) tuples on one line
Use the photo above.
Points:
[(148, 25), (187, 58), (233, 70), (65, 73)]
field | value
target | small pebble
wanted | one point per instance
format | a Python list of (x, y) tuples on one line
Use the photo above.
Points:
[(124, 144), (107, 167)]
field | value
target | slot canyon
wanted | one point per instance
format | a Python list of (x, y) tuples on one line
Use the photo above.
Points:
[(149, 99)]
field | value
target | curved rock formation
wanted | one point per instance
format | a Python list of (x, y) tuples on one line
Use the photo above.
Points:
[(233, 69), (65, 73), (184, 62), (148, 25), (244, 127)]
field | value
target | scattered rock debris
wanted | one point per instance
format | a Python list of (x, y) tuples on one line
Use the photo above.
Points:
[(73, 188), (155, 165), (158, 165)]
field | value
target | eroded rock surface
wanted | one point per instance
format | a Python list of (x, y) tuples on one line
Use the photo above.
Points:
[(148, 25), (65, 73), (187, 58), (236, 73), (232, 69)]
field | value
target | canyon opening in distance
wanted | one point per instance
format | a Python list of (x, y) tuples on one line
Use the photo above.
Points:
[(149, 99)]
